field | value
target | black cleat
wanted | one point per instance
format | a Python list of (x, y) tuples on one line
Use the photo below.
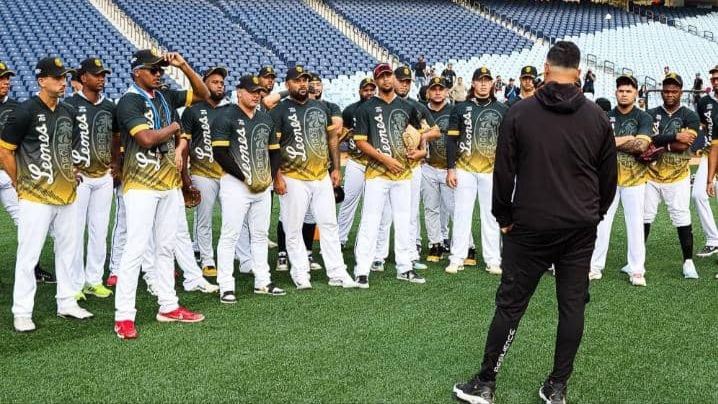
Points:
[(363, 281), (435, 253), (197, 257), (42, 276), (475, 391), (446, 245), (553, 392), (470, 259)]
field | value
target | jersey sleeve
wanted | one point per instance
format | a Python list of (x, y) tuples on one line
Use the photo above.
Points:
[(221, 131), (15, 129), (177, 99), (131, 114), (187, 123), (454, 119), (361, 124), (273, 143), (645, 126), (348, 117), (692, 122)]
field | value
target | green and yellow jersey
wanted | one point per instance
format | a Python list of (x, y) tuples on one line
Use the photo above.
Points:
[(437, 147), (348, 122), (196, 123), (672, 167), (477, 126), (7, 105), (94, 125), (640, 125)]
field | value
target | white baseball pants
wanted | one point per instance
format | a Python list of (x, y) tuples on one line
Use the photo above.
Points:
[(209, 188), (8, 197), (676, 195), (703, 206), (438, 203)]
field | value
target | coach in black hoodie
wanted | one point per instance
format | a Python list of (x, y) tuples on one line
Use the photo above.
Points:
[(554, 179)]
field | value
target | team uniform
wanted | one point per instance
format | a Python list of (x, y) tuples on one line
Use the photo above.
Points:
[(382, 124), (92, 154), (708, 113), (476, 128), (151, 197), (249, 141), (204, 171), (42, 141), (304, 150), (8, 195), (632, 177)]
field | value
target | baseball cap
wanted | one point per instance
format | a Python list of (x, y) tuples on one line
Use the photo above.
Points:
[(626, 79), (52, 67), (482, 71), (402, 73), (297, 72), (714, 70), (93, 66), (147, 58), (221, 70), (314, 77), (366, 82), (437, 81), (382, 68), (528, 71), (673, 78), (250, 83), (5, 70), (267, 71)]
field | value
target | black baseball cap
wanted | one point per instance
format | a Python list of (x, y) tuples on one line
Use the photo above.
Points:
[(92, 66), (437, 81), (267, 71), (296, 72), (673, 78), (221, 70), (528, 71), (382, 68), (147, 58), (402, 73), (626, 79), (51, 67), (481, 72), (250, 83), (714, 70), (314, 77), (5, 70), (368, 81)]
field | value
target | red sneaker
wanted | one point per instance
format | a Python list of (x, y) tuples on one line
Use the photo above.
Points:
[(180, 314), (125, 329), (111, 281)]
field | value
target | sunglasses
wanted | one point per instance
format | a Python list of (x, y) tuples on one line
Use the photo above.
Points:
[(155, 70)]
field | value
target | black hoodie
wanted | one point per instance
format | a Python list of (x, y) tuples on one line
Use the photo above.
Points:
[(555, 162)]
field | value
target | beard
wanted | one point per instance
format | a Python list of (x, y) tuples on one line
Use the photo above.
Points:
[(216, 97), (297, 95)]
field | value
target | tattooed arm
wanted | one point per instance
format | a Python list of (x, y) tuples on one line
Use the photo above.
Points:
[(631, 144)]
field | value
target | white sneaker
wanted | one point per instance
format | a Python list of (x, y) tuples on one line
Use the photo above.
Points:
[(453, 268), (303, 284), (594, 275), (689, 270), (75, 312), (314, 266), (23, 324), (204, 287), (377, 266), (271, 244), (626, 269), (346, 283), (494, 269), (416, 265), (638, 280)]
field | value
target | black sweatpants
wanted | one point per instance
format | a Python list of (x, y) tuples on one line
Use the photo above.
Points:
[(526, 256)]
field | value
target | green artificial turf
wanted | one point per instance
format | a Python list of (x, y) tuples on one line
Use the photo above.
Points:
[(393, 343)]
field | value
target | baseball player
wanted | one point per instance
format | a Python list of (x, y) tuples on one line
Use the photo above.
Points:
[(471, 151), (707, 109), (8, 194), (150, 181), (526, 83), (245, 145), (438, 197), (306, 144), (204, 170), (380, 123), (97, 130), (675, 127), (633, 129), (35, 150)]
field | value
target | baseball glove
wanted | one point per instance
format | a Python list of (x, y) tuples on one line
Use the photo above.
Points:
[(192, 196), (651, 154), (411, 138)]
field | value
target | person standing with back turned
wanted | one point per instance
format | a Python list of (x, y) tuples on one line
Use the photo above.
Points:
[(554, 179)]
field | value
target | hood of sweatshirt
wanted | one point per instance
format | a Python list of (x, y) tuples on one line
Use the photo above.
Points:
[(560, 98)]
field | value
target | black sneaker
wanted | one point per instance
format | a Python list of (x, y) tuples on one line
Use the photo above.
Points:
[(475, 391), (446, 245), (553, 392), (410, 276), (43, 276), (197, 257), (228, 297), (418, 249), (435, 253), (270, 290), (363, 281), (282, 262), (470, 259), (707, 251)]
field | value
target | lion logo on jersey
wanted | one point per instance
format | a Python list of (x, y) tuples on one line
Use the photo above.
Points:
[(398, 120), (62, 150), (315, 124), (260, 160), (487, 132), (103, 134)]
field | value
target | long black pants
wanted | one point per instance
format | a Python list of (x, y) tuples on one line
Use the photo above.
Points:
[(526, 256)]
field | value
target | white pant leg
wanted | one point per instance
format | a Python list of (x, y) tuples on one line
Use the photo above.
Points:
[(464, 200), (701, 200), (260, 211), (84, 192), (490, 231), (651, 201), (209, 188), (293, 207), (65, 240), (404, 248), (322, 207), (119, 232), (234, 202), (170, 212), (8, 197), (678, 200), (243, 249), (381, 251), (353, 190), (603, 235), (431, 193), (98, 218), (183, 252), (414, 224), (376, 197), (632, 199), (447, 205)]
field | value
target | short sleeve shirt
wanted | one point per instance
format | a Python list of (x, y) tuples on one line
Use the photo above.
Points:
[(348, 119), (196, 124), (437, 147), (6, 107), (94, 126), (635, 123), (672, 167), (477, 126)]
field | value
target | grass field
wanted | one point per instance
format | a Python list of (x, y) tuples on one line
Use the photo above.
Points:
[(392, 343)]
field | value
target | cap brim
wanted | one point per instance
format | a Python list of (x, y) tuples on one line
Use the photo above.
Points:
[(368, 84), (253, 88), (435, 85), (268, 74), (217, 70), (533, 76), (8, 73), (481, 76), (672, 81), (713, 70), (99, 71), (157, 61)]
